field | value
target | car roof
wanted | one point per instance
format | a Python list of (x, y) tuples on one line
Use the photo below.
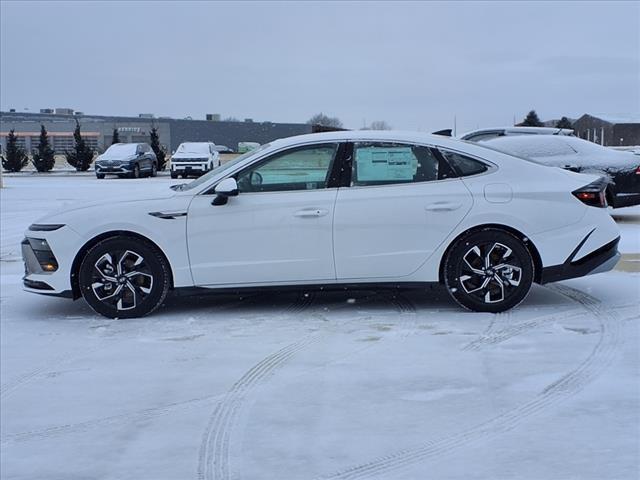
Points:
[(367, 135)]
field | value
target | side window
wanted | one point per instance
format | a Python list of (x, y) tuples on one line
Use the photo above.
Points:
[(302, 168), (391, 163), (464, 165)]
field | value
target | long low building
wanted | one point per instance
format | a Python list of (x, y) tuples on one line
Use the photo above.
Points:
[(97, 130)]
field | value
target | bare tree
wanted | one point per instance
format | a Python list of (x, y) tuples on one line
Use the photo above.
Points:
[(325, 120), (378, 125)]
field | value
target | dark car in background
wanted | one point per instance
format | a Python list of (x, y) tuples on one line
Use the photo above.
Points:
[(131, 160), (620, 168)]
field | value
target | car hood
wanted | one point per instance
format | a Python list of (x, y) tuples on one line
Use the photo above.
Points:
[(189, 155), (121, 158), (121, 204)]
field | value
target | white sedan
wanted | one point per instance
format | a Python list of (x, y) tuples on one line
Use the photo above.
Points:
[(333, 209)]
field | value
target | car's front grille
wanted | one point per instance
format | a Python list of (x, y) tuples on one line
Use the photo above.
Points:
[(189, 160)]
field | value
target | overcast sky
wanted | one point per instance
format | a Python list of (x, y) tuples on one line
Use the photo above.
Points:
[(415, 65)]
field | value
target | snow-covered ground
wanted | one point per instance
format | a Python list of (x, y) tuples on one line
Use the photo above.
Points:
[(346, 385)]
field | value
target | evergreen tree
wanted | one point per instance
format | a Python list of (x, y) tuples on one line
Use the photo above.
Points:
[(81, 156), (43, 157), (531, 120), (115, 138), (154, 141), (564, 122), (15, 157)]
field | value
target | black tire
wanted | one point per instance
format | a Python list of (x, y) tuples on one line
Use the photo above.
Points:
[(124, 277), (154, 169), (174, 174), (471, 276), (136, 171), (99, 176)]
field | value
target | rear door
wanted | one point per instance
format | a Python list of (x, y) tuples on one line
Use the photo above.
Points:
[(402, 202)]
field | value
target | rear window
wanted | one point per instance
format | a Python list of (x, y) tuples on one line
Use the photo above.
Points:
[(464, 165)]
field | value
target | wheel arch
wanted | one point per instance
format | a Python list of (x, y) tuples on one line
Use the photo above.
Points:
[(77, 261), (533, 250)]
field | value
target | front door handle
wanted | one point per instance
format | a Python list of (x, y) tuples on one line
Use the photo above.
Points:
[(311, 212), (443, 206)]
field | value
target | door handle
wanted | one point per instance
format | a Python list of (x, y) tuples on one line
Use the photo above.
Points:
[(311, 212), (442, 206)]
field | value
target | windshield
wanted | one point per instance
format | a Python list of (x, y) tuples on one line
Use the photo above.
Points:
[(120, 150), (223, 168), (193, 147)]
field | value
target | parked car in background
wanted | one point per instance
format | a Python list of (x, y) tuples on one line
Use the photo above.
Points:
[(127, 160), (223, 149), (244, 147), (489, 133), (621, 168), (329, 210), (194, 158)]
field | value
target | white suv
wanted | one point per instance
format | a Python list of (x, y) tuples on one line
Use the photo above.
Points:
[(194, 158)]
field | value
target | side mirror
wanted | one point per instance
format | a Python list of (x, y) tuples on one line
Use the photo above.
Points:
[(225, 189)]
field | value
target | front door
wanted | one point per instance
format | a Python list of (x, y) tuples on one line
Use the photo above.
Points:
[(278, 228)]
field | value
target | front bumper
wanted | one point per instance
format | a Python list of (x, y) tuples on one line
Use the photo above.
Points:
[(41, 248), (122, 168), (188, 167), (600, 260)]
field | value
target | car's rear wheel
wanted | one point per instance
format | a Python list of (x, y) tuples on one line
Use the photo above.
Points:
[(124, 277), (489, 271), (136, 171)]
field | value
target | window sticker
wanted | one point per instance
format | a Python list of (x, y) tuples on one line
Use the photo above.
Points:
[(383, 164)]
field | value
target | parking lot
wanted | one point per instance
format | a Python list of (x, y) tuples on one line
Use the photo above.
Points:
[(348, 384)]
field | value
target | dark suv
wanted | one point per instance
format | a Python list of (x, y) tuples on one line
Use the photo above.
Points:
[(127, 160)]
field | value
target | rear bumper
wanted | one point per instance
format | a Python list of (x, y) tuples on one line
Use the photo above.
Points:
[(601, 260), (626, 200)]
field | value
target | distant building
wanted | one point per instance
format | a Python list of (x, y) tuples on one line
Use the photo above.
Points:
[(609, 130), (98, 130)]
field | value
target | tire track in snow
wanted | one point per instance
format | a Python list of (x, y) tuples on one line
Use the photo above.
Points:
[(214, 454), (299, 304), (600, 357), (8, 387), (65, 429)]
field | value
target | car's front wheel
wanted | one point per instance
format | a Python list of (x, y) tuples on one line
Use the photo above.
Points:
[(154, 170), (489, 271), (124, 277), (99, 176)]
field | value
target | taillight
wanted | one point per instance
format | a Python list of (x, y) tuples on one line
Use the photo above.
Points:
[(593, 194), (638, 171)]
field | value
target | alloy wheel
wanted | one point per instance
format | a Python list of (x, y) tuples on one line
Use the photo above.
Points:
[(490, 272), (121, 280)]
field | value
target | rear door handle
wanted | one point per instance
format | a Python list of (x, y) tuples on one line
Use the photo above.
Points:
[(311, 212), (442, 206)]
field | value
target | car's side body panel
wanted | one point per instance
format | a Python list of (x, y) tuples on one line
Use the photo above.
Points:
[(388, 231), (262, 237)]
